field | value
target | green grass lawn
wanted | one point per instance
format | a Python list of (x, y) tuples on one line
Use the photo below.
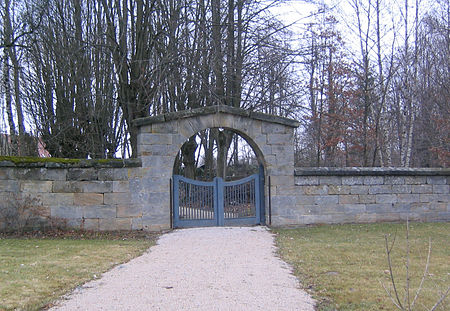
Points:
[(34, 272), (344, 266)]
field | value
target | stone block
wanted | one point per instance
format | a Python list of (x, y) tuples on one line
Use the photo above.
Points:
[(185, 129), (422, 189), (373, 180), (67, 186), (278, 221), (284, 201), (286, 190), (55, 199), (304, 200), (90, 224), (225, 120), (352, 208), (420, 206), (282, 151), (106, 173), (401, 207), (348, 199), (9, 186), (336, 189), (380, 189), (152, 222), (415, 180), (314, 190), (279, 139), (67, 212), (158, 161), (163, 172), (152, 150), (443, 198), (159, 200), (352, 180), (359, 189), (82, 174), (88, 199), (123, 173), (326, 199), (288, 211), (36, 186), (379, 208), (202, 123), (40, 173), (112, 224), (117, 198), (330, 180), (439, 206), (401, 188), (366, 198), (152, 184), (407, 198), (260, 140), (6, 173), (74, 223), (441, 189), (121, 186), (434, 198), (136, 223), (390, 217), (386, 198), (394, 180), (282, 180), (97, 186), (129, 211), (306, 180), (365, 218), (436, 180), (273, 128), (99, 211), (154, 139), (165, 127)]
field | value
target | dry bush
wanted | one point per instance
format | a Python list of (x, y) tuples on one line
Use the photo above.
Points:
[(24, 212), (409, 299)]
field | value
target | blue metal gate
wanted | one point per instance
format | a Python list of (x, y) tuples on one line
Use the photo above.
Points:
[(216, 203)]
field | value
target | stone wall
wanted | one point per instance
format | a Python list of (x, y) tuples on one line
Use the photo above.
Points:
[(118, 195), (360, 195), (91, 195)]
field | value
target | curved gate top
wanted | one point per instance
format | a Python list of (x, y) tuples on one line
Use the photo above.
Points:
[(161, 137)]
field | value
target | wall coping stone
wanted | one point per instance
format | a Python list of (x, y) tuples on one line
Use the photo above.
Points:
[(116, 163), (215, 110), (370, 171)]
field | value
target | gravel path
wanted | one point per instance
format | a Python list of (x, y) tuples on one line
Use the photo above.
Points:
[(198, 269)]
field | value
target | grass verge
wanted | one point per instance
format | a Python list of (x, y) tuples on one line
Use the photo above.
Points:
[(343, 266), (34, 271)]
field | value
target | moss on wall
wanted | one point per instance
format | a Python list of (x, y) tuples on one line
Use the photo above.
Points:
[(65, 162)]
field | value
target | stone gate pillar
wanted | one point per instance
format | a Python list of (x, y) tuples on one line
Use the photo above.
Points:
[(161, 137)]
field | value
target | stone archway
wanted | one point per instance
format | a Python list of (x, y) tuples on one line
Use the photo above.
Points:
[(161, 137)]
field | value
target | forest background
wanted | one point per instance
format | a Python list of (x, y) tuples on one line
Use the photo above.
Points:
[(368, 80)]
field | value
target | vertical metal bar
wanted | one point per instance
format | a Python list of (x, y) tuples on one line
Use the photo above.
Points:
[(270, 204), (176, 203), (171, 203), (220, 209), (197, 199), (190, 201), (257, 200)]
